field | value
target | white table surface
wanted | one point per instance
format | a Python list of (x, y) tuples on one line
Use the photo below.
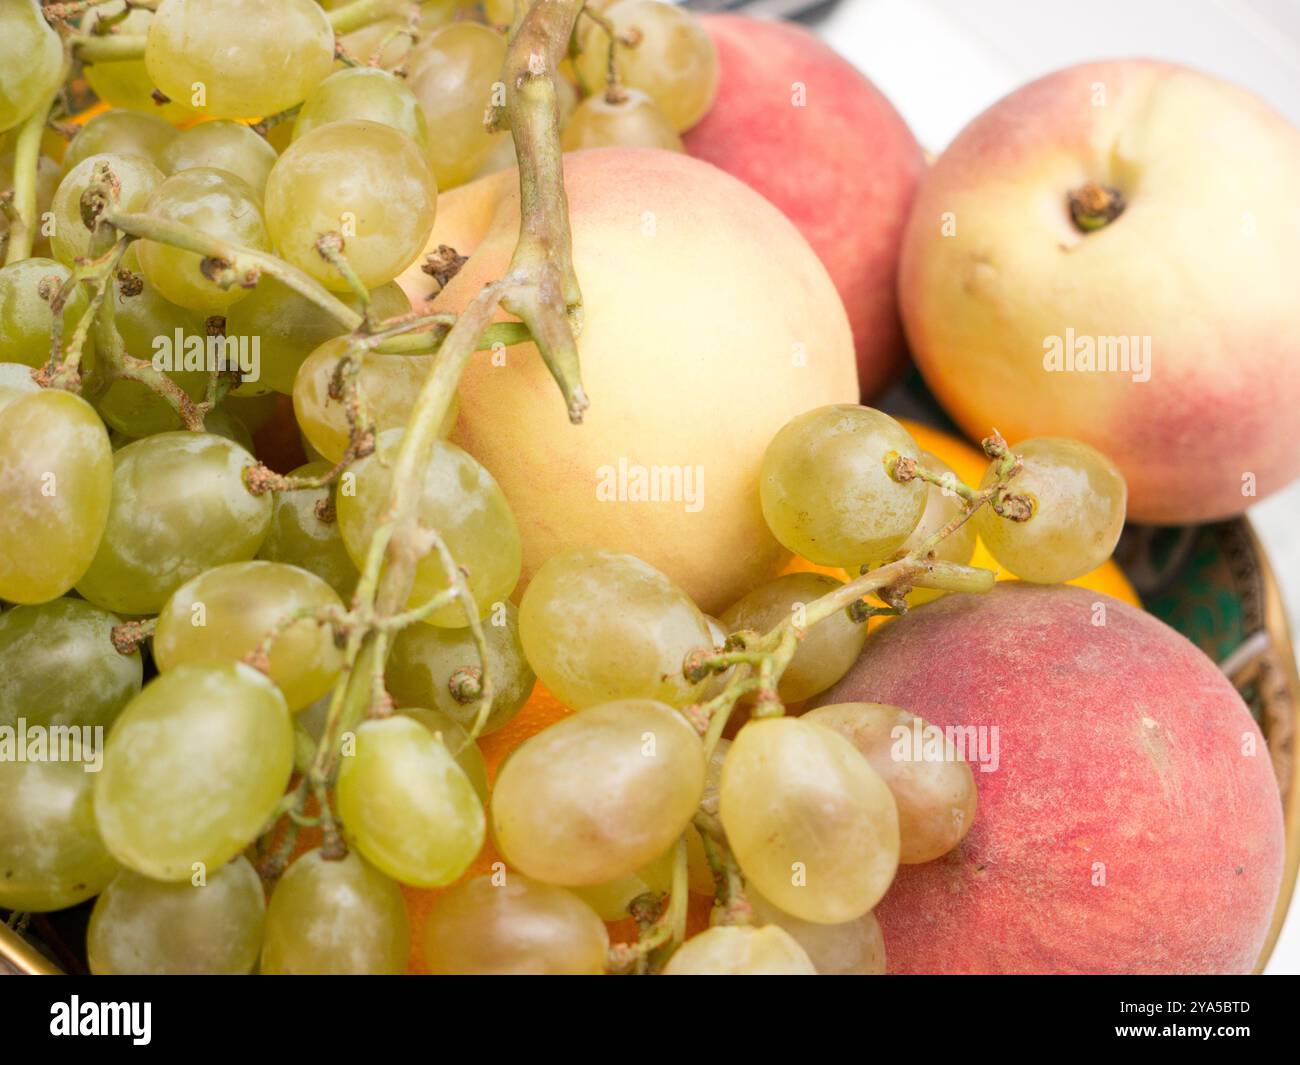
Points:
[(941, 62)]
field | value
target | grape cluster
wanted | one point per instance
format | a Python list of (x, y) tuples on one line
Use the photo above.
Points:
[(266, 171)]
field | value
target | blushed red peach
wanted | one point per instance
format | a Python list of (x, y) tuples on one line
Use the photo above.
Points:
[(1193, 278), (801, 125), (1131, 821)]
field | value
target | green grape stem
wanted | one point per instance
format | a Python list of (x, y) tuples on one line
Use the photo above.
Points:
[(110, 48), (662, 923), (358, 14), (729, 884), (27, 151)]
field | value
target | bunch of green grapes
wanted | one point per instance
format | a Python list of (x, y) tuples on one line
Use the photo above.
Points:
[(191, 556)]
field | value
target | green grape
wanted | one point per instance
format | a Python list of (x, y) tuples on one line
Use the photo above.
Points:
[(58, 665), (179, 507), (699, 872), (364, 181), (942, 505), (226, 612), (855, 948), (598, 795), (517, 928), (390, 383), (221, 422), (48, 175), (298, 535), (26, 319), (826, 490), (141, 927), (289, 327), (424, 658), (31, 58), (217, 204), (238, 58), (144, 321), (56, 474), (406, 804), (600, 625), (51, 856), (460, 499), (365, 94), (120, 133), (221, 145), (253, 411), (454, 72), (932, 786), (194, 767), (741, 950), (619, 118), (137, 178), (338, 917), (15, 382), (812, 825), (125, 82), (1078, 498), (673, 60), (611, 899), (827, 650), (459, 745)]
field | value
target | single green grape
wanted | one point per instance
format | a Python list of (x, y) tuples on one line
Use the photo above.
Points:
[(390, 383), (253, 411), (423, 659), (672, 60), (826, 490), (598, 795), (179, 507), (125, 82), (150, 325), (827, 650), (56, 478), (300, 537), (142, 927), (611, 899), (335, 917), (365, 94), (741, 950), (238, 58), (855, 948), (226, 612), (699, 872), (932, 786), (221, 145), (31, 57), (58, 665), (455, 73), (942, 505), (289, 327), (516, 928), (216, 203), (137, 179), (51, 856), (364, 181), (221, 422), (15, 382), (406, 804), (812, 825), (194, 767), (48, 175), (1078, 497), (460, 499), (619, 117), (26, 318), (144, 136), (600, 625), (458, 743)]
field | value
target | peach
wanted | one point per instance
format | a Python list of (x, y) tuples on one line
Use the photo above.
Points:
[(1167, 337), (1128, 818), (708, 324), (798, 123)]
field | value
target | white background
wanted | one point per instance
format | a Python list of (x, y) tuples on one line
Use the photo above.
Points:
[(941, 62)]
